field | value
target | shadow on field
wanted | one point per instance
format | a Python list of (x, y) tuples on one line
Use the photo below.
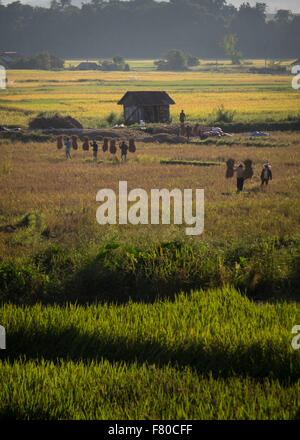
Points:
[(17, 413), (70, 344)]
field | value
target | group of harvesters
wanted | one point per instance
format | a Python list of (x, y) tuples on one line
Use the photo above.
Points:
[(108, 144)]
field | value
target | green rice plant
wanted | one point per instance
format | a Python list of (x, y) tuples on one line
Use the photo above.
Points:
[(189, 162), (221, 114), (6, 168), (206, 355)]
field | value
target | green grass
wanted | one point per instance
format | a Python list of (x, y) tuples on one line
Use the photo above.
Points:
[(189, 162), (207, 355), (114, 272)]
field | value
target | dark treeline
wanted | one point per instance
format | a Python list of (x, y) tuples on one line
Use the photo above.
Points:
[(147, 29)]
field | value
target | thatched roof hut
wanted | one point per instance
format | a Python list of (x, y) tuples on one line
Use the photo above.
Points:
[(148, 106)]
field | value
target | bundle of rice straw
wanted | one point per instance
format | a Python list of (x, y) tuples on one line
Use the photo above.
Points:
[(248, 173), (196, 129), (86, 145), (60, 143), (229, 171), (74, 142), (131, 147), (112, 147), (105, 145)]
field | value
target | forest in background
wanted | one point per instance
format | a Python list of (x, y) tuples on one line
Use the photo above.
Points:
[(147, 29)]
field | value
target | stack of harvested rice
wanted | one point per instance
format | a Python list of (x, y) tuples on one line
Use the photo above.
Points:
[(131, 148), (105, 145), (248, 173), (230, 170), (86, 145), (60, 142), (112, 147), (74, 142), (196, 129)]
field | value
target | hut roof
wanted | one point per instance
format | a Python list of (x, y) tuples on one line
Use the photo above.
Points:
[(87, 66), (294, 63), (146, 98)]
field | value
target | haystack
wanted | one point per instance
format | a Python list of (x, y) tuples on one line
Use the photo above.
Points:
[(248, 173), (131, 148), (112, 147), (196, 129), (85, 145), (74, 142), (55, 121), (60, 143), (230, 168), (105, 145)]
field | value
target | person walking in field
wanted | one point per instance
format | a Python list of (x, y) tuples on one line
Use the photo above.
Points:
[(266, 174), (68, 146), (182, 117), (94, 146), (239, 177), (124, 149)]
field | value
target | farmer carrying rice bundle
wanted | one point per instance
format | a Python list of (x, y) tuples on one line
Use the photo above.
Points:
[(94, 146), (266, 174), (68, 146), (239, 177), (124, 148)]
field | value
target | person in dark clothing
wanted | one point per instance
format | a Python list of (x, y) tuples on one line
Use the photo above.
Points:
[(188, 132), (94, 146), (239, 177), (68, 146), (124, 149), (182, 117), (266, 174)]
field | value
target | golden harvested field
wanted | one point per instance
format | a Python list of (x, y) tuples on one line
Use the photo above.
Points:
[(91, 96), (36, 178)]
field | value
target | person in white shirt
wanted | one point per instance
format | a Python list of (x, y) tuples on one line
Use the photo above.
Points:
[(239, 177), (266, 174)]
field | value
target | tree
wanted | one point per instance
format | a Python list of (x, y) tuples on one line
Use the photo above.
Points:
[(283, 16), (176, 60), (117, 63), (65, 3), (56, 63), (229, 43), (118, 60), (173, 60), (42, 61), (192, 60)]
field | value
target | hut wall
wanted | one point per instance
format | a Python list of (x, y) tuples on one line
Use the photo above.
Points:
[(164, 113), (132, 114)]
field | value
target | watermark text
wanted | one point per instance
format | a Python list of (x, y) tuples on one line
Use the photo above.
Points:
[(2, 338), (160, 207)]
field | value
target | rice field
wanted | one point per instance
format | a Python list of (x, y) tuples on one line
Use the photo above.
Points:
[(254, 97), (142, 322)]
